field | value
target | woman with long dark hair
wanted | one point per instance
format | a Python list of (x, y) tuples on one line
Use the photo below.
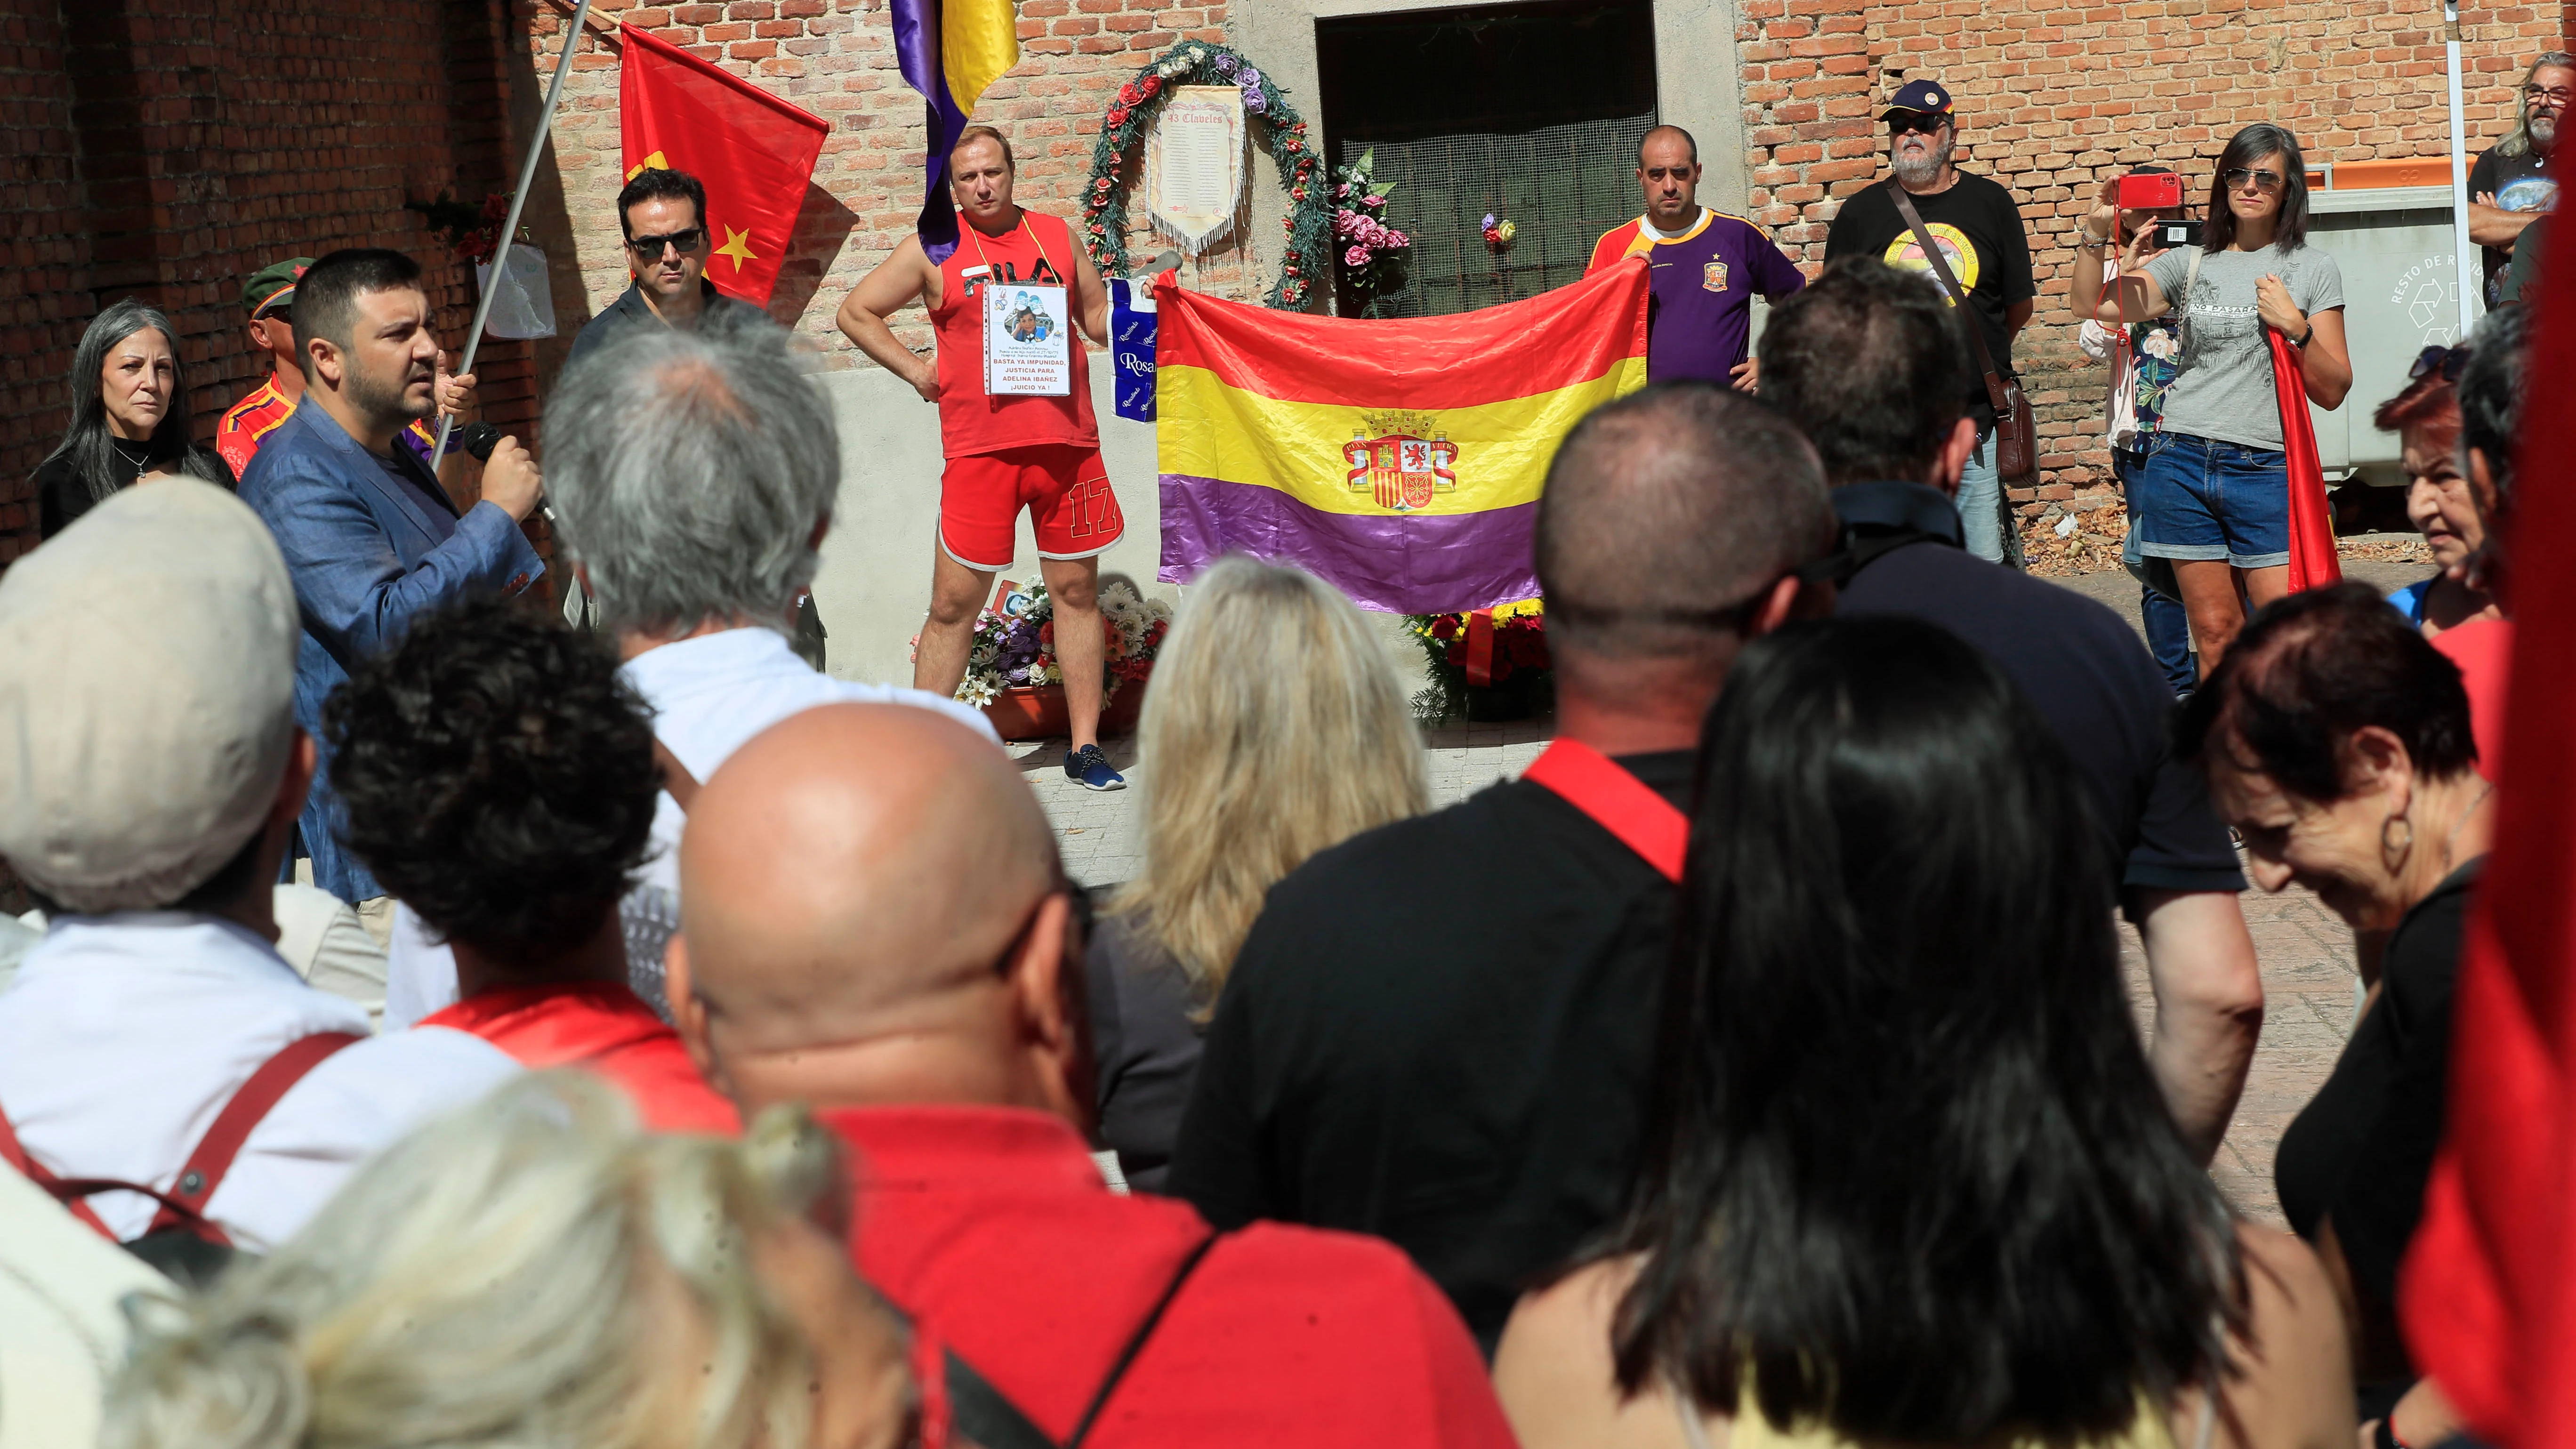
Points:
[(1908, 1178), (129, 417), (2214, 494)]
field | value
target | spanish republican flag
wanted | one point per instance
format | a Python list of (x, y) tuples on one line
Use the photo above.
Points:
[(754, 152), (1400, 461)]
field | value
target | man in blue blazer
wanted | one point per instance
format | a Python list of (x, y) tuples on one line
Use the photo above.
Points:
[(369, 537)]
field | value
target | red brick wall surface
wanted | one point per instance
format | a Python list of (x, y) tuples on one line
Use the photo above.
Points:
[(167, 148), (836, 59), (2053, 98)]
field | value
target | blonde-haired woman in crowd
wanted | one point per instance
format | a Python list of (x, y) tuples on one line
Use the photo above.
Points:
[(534, 1271), (1276, 726)]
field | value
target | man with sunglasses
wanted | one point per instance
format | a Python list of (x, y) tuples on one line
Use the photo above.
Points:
[(663, 214), (1978, 228), (2510, 182), (269, 298)]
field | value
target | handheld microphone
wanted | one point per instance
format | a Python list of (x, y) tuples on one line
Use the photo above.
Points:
[(478, 440)]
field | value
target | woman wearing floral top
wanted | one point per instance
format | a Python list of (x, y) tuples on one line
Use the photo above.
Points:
[(2144, 358)]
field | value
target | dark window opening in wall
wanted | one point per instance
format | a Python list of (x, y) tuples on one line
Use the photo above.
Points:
[(1530, 112)]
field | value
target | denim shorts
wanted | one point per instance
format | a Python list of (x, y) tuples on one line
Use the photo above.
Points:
[(2199, 500)]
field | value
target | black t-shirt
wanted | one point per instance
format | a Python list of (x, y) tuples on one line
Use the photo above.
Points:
[(410, 475), (1145, 1041), (1980, 232), (2519, 183), (2085, 672), (2361, 1151), (1440, 1032), (62, 496)]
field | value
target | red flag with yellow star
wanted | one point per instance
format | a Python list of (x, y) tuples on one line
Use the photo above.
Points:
[(754, 152)]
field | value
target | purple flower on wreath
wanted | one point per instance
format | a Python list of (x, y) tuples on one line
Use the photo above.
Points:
[(1249, 77), (1226, 64), (1253, 101)]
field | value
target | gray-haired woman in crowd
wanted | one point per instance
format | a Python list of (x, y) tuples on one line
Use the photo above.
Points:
[(129, 418), (1276, 727), (534, 1271)]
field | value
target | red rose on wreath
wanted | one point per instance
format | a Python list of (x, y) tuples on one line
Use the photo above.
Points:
[(1152, 83), (1101, 185), (1127, 94), (1457, 651), (1117, 116), (1445, 627)]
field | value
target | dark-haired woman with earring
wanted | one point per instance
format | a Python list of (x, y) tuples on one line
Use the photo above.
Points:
[(1908, 1178), (129, 418), (2337, 741), (2214, 494)]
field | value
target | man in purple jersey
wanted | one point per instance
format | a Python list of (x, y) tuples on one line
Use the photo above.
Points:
[(1703, 267)]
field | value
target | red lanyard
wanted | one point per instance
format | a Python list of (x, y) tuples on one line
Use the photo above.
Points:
[(1617, 801)]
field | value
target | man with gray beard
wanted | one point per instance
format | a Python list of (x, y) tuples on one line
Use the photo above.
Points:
[(1978, 228)]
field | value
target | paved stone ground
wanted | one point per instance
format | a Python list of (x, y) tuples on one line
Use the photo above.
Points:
[(2306, 952)]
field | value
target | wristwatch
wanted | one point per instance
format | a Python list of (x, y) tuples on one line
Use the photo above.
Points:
[(2085, 238), (2301, 341)]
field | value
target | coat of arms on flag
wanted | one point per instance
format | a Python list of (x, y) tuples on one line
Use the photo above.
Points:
[(1404, 464)]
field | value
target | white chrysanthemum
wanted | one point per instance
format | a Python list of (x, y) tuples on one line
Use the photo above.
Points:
[(978, 690)]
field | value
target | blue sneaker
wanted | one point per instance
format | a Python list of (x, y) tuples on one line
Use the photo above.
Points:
[(1089, 768)]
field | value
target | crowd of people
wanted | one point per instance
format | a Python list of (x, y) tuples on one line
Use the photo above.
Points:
[(738, 1064)]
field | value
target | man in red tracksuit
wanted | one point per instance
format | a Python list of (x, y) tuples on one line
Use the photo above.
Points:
[(878, 926), (1007, 452)]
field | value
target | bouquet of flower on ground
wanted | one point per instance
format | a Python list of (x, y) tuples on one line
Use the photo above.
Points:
[(1516, 660), (1015, 642)]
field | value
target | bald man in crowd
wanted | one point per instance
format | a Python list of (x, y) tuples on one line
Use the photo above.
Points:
[(1703, 267), (878, 927), (1463, 1070)]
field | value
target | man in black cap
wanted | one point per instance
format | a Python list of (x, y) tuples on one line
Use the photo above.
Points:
[(1978, 229)]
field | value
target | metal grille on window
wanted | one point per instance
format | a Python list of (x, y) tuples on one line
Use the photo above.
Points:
[(1527, 112)]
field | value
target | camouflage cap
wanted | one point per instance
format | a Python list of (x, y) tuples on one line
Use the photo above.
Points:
[(272, 284)]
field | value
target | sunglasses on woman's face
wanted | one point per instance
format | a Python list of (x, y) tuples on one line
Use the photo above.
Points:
[(2449, 361), (650, 247), (2239, 177)]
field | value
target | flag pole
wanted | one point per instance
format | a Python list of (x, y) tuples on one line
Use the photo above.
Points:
[(510, 227)]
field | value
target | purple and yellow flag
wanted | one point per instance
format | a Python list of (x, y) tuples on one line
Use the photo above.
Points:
[(1399, 461), (949, 51)]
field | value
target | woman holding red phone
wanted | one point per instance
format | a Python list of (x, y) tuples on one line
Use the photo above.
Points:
[(2213, 494), (2144, 358)]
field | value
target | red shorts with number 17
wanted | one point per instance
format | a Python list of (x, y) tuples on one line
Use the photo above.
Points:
[(1064, 486)]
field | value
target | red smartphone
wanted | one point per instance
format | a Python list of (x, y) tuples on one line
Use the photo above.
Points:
[(2154, 191)]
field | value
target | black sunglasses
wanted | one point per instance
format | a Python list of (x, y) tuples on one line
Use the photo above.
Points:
[(1919, 121), (650, 247), (2237, 176), (279, 313), (2450, 362)]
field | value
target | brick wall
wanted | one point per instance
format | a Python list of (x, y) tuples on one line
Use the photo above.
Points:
[(167, 148), (2056, 97), (836, 59)]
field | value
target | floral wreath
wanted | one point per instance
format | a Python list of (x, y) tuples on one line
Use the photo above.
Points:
[(1309, 223)]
